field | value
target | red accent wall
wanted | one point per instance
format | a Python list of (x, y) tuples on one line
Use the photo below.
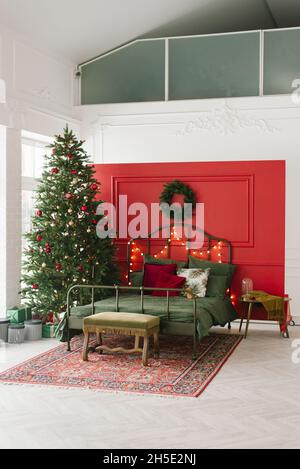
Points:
[(244, 202)]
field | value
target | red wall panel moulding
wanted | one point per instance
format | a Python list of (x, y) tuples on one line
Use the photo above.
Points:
[(244, 202)]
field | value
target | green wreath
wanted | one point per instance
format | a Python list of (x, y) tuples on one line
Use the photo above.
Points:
[(177, 187)]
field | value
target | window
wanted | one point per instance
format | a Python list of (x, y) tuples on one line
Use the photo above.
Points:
[(34, 149)]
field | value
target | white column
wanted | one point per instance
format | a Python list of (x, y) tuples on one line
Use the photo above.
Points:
[(13, 215)]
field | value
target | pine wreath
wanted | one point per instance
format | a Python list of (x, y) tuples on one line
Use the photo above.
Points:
[(177, 187)]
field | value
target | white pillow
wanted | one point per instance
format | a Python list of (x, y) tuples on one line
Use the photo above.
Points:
[(196, 281)]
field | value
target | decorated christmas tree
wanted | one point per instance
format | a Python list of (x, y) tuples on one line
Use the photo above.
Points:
[(63, 247)]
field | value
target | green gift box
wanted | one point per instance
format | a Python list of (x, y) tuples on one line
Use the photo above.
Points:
[(20, 314), (49, 330)]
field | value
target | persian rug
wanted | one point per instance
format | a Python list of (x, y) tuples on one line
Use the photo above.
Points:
[(174, 373)]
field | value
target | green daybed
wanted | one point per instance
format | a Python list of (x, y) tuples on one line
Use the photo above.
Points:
[(179, 315)]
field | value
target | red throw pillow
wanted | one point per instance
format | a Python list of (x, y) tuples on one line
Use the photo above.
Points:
[(168, 281), (151, 272)]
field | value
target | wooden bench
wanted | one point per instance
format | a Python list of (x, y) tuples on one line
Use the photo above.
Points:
[(138, 325)]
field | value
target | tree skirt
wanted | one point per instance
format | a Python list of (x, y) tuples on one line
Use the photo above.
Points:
[(173, 374)]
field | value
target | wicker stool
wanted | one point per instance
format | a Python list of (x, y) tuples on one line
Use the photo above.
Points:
[(138, 325)]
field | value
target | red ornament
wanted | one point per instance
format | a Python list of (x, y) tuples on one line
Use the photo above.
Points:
[(54, 170), (84, 208), (94, 186), (47, 248), (70, 156), (80, 268), (94, 222), (50, 317), (35, 286), (58, 266), (69, 196), (73, 171), (38, 238), (39, 213)]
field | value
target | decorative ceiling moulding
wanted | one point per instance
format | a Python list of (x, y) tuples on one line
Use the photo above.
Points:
[(226, 120), (55, 115), (43, 93), (222, 120), (52, 85)]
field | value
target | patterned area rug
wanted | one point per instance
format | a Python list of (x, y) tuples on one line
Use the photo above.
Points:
[(173, 374)]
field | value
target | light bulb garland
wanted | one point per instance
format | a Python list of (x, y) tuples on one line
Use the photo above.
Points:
[(136, 254)]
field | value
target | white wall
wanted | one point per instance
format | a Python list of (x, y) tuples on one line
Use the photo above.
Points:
[(207, 130), (36, 94)]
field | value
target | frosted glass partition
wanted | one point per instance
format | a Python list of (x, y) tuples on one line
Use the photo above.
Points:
[(214, 66), (133, 73), (281, 60)]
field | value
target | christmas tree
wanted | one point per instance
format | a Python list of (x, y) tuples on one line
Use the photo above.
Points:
[(63, 248)]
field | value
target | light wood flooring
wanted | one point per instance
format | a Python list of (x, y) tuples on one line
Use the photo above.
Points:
[(254, 402)]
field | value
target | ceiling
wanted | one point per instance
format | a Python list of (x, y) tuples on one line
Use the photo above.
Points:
[(79, 30)]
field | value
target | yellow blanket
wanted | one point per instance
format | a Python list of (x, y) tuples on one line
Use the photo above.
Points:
[(274, 305)]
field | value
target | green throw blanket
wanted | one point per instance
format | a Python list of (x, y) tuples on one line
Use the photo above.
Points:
[(274, 305)]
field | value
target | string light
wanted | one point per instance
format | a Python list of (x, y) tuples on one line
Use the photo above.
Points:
[(233, 298), (136, 254)]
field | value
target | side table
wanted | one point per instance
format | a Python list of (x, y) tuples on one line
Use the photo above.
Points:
[(250, 302)]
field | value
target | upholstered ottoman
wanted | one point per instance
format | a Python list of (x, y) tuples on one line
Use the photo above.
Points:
[(138, 325)]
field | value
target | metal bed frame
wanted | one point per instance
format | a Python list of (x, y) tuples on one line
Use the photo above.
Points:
[(167, 326), (210, 239)]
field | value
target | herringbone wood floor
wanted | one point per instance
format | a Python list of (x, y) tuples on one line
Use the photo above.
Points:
[(252, 403)]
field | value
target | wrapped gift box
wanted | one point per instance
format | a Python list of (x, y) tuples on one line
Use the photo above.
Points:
[(49, 330), (20, 314)]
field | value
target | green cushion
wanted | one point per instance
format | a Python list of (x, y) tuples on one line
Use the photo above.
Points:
[(216, 286), (136, 278), (121, 320), (216, 268), (153, 260)]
